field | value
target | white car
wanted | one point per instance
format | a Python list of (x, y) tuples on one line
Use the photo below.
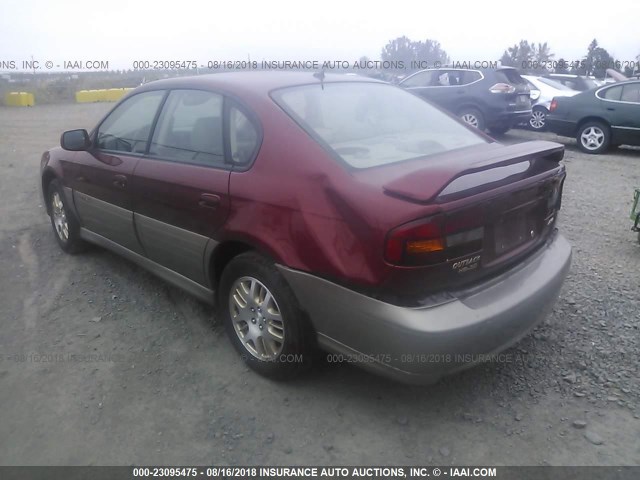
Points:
[(542, 92)]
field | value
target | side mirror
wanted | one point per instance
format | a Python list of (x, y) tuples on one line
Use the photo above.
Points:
[(75, 140)]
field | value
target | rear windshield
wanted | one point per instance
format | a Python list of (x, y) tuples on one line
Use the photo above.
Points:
[(371, 124), (554, 84), (510, 75)]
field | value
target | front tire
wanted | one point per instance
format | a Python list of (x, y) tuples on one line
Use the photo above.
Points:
[(263, 319), (66, 226), (593, 137)]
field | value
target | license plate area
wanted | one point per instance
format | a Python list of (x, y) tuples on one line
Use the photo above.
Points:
[(515, 229)]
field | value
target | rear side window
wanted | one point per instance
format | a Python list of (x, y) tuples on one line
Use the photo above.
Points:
[(371, 124), (189, 129), (127, 128), (612, 93), (511, 76), (471, 76), (631, 93), (243, 137)]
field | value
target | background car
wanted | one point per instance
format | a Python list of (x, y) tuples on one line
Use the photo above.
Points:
[(328, 210), (574, 82), (600, 118), (542, 92), (494, 99)]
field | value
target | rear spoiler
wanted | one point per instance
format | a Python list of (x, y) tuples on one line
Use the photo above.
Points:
[(454, 172)]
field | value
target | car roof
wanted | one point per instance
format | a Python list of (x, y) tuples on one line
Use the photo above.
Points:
[(253, 82)]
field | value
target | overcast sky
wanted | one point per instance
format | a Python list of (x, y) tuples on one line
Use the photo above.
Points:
[(121, 31)]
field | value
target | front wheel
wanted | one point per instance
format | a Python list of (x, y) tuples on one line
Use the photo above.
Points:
[(263, 319), (65, 225), (593, 137), (472, 117)]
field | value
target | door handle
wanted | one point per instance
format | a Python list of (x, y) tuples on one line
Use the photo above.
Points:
[(209, 200), (611, 109), (119, 181)]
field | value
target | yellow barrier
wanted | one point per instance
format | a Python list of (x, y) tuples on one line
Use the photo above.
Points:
[(19, 99), (102, 95)]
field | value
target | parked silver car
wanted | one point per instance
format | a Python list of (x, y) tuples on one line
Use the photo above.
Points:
[(542, 92)]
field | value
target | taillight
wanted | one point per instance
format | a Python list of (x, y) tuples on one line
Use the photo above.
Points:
[(553, 106), (502, 88), (436, 239)]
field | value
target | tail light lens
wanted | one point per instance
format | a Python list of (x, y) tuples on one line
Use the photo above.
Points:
[(436, 239), (553, 106), (502, 88)]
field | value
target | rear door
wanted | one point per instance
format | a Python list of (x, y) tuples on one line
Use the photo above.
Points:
[(182, 186), (102, 176), (625, 114)]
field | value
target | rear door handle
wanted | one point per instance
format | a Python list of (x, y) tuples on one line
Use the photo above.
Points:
[(119, 181), (209, 200), (611, 109)]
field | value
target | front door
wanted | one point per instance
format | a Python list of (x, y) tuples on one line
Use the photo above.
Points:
[(101, 180)]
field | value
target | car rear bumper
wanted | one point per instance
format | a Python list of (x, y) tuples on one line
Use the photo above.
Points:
[(420, 345), (561, 127)]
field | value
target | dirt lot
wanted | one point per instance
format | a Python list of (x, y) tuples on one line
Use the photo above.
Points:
[(102, 363)]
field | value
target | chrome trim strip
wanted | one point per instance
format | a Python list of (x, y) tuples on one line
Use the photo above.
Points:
[(180, 281), (625, 128)]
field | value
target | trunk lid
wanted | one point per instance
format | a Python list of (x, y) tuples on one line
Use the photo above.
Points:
[(496, 205)]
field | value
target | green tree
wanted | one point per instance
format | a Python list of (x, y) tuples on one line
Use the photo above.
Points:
[(520, 55), (405, 50), (595, 62)]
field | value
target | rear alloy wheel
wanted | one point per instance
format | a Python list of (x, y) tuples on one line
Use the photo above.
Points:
[(263, 319), (65, 225), (593, 137), (538, 120), (473, 118)]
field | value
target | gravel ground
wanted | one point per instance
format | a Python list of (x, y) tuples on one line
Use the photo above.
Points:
[(102, 363)]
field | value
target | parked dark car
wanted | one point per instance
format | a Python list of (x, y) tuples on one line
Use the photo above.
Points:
[(494, 99), (598, 119), (574, 82), (337, 211)]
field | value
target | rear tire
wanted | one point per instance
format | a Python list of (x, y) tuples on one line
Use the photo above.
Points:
[(263, 319), (66, 226), (472, 117), (538, 120), (593, 137)]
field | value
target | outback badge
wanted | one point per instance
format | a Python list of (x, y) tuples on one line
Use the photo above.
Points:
[(467, 264)]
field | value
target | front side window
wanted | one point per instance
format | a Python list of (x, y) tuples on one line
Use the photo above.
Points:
[(421, 79), (127, 128), (370, 124), (189, 128)]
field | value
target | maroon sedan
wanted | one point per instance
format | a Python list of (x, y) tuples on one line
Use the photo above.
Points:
[(336, 212)]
